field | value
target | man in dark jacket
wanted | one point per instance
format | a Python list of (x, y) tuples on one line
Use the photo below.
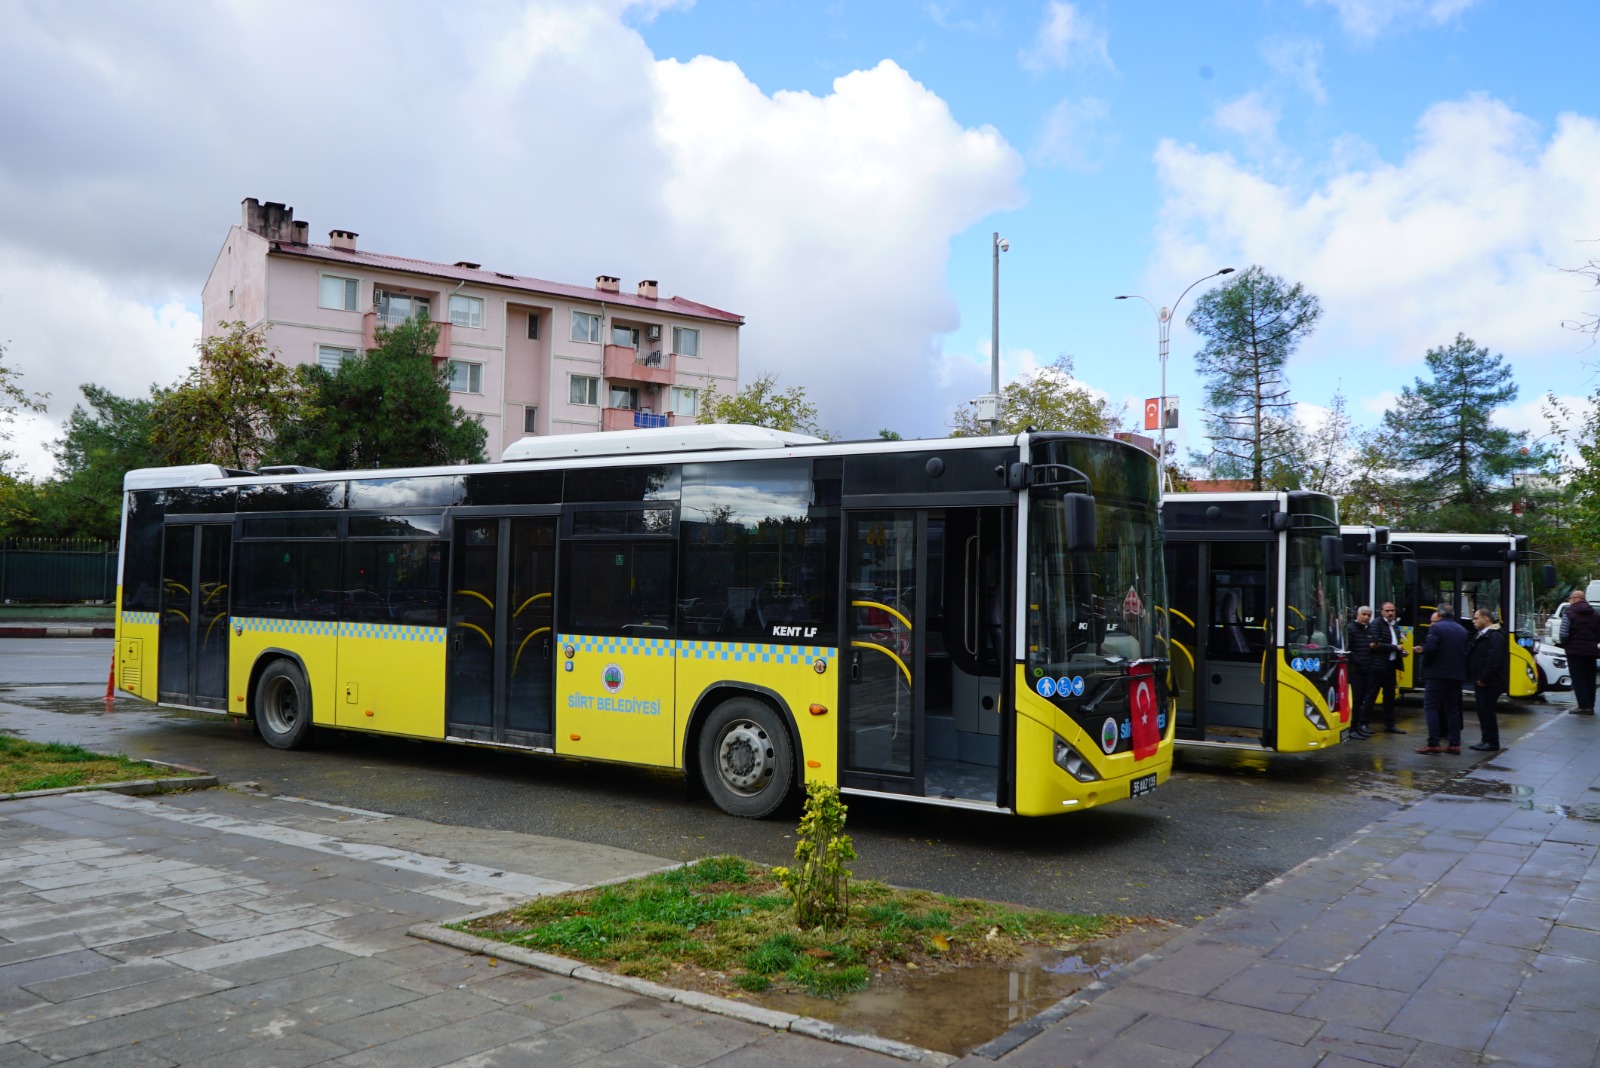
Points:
[(1388, 657), (1488, 664), (1363, 682), (1580, 640), (1444, 655)]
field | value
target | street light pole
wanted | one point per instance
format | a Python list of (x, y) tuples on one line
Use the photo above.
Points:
[(1000, 245), (1163, 340)]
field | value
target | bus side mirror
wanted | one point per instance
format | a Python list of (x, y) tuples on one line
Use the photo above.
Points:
[(1408, 568), (1279, 521), (1548, 575), (1332, 554), (1083, 531)]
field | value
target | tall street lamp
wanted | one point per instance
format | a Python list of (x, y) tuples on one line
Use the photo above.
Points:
[(1163, 335), (1000, 245)]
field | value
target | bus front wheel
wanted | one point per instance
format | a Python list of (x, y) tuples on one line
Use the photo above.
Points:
[(746, 760), (283, 706)]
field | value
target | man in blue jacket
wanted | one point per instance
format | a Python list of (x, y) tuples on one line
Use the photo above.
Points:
[(1444, 654)]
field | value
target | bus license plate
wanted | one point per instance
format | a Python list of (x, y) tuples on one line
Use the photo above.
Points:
[(1143, 785)]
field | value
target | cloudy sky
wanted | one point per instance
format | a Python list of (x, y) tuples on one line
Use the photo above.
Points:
[(832, 172)]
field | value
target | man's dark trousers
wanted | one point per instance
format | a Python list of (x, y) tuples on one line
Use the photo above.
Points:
[(1484, 698), (1386, 682), (1442, 698)]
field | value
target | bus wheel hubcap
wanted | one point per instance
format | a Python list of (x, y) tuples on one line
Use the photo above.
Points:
[(283, 709), (745, 756)]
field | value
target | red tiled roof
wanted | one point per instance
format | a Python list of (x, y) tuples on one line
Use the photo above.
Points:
[(675, 305)]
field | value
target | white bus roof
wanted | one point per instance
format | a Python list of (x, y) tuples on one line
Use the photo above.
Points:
[(167, 477), (695, 438)]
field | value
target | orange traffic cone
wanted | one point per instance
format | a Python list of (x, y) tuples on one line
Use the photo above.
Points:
[(111, 680)]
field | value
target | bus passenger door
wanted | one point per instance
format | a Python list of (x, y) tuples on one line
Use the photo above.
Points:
[(502, 577), (1236, 690), (1187, 654), (884, 650), (193, 664)]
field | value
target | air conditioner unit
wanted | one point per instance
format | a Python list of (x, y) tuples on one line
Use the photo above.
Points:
[(655, 333), (652, 389), (377, 296)]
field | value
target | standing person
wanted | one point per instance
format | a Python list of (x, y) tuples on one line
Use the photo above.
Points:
[(1444, 655), (1488, 666), (1359, 640), (1388, 657), (1580, 640)]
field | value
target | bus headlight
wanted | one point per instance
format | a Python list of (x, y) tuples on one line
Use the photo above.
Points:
[(1315, 716), (1071, 761)]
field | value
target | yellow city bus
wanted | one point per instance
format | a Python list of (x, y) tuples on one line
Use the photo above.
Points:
[(967, 622), (1419, 572), (1258, 611)]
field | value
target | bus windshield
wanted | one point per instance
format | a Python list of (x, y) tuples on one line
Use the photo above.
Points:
[(1092, 608), (1525, 622), (1314, 600)]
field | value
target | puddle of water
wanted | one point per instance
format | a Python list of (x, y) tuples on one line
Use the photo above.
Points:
[(957, 1011)]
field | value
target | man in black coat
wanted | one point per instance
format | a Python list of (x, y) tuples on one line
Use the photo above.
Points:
[(1388, 657), (1363, 681), (1444, 654), (1488, 666)]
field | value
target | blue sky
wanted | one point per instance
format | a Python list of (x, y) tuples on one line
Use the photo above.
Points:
[(833, 172)]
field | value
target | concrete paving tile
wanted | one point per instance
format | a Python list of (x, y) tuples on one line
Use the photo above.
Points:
[(1182, 1036), (224, 953), (1550, 1039), (626, 1057), (102, 980), (1265, 923), (1447, 910), (441, 1045), (370, 945), (1240, 1018), (212, 883), (1491, 951), (1561, 985), (1200, 967), (42, 969), (96, 1035), (1492, 982), (696, 1040), (1510, 928), (155, 945), (1494, 861), (537, 1049), (1363, 1046), (1447, 1019), (779, 1050), (1542, 895), (1248, 1051), (1399, 958), (459, 970), (289, 1051), (1574, 942), (134, 1057), (522, 986), (257, 924), (574, 1001), (289, 989), (347, 1002), (104, 888), (33, 949), (1582, 914), (625, 1024), (1270, 985), (397, 1022)]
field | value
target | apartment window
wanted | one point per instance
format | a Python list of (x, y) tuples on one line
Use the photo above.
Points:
[(329, 357), (530, 419), (396, 308), (625, 335), (586, 327), (230, 298), (466, 377), (625, 397), (684, 401), (338, 293), (533, 326), (584, 389), (685, 341), (467, 311)]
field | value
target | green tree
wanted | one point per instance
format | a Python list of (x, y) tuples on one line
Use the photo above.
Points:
[(761, 403), (1048, 399), (1456, 464), (1583, 485), (387, 407), (228, 408), (1252, 325), (13, 401), (102, 442)]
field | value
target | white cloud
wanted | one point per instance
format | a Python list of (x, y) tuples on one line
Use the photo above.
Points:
[(489, 133), (1297, 61), (1066, 36), (1252, 120), (1075, 135), (1367, 19), (1462, 235)]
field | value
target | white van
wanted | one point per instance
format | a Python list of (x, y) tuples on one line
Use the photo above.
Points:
[(1591, 594)]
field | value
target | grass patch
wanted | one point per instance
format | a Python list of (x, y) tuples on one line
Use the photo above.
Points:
[(28, 766), (725, 926)]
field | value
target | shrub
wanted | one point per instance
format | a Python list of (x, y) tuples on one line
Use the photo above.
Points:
[(820, 882)]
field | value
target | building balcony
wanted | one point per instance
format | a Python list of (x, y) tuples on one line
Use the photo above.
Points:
[(634, 419), (371, 320), (624, 363)]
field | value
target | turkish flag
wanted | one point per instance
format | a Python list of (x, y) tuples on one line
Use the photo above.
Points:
[(1143, 706), (1152, 414)]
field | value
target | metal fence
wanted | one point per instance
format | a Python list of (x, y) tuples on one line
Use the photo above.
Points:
[(57, 570)]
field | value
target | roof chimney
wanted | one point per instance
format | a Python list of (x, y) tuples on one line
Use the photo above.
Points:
[(607, 283), (468, 265), (344, 240), (302, 232), (271, 220), (647, 289)]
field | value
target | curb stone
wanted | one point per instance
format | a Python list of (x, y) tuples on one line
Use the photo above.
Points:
[(694, 999), (131, 787)]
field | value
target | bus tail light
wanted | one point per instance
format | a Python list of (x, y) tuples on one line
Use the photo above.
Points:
[(1071, 761)]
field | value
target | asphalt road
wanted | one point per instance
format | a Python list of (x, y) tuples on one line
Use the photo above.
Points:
[(1225, 824)]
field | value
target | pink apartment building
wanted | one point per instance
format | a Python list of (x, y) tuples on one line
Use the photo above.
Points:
[(525, 356)]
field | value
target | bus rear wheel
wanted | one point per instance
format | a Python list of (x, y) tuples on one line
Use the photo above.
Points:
[(283, 706), (746, 760)]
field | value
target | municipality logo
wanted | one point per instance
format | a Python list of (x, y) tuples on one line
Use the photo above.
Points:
[(1108, 735), (611, 678)]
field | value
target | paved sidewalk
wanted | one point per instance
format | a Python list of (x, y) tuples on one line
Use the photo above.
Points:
[(62, 628), (1464, 930)]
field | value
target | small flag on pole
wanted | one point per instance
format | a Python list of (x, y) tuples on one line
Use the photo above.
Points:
[(1152, 414)]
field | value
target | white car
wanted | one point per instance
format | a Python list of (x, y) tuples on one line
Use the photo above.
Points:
[(1552, 662)]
